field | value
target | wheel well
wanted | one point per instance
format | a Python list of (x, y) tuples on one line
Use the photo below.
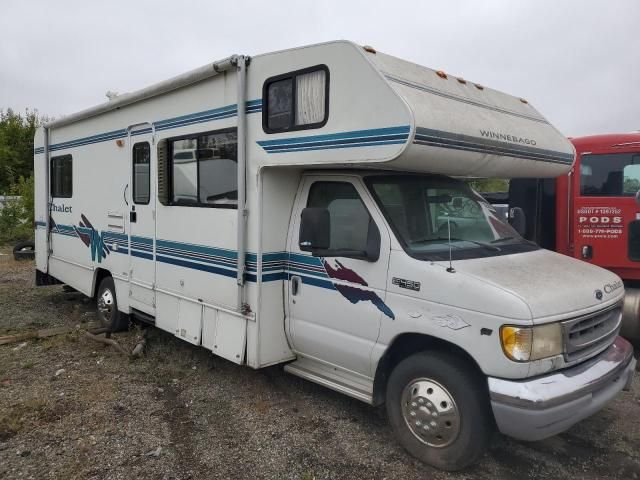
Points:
[(406, 345), (98, 276)]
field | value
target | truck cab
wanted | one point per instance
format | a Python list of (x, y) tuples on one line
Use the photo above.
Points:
[(391, 271)]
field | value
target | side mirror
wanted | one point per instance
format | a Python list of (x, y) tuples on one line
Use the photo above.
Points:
[(315, 229), (518, 220)]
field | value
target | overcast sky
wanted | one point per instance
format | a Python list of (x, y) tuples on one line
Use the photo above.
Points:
[(578, 62)]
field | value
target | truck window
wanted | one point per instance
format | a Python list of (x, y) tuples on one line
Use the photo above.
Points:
[(204, 170), (62, 176), (610, 175), (296, 100), (141, 162), (349, 217)]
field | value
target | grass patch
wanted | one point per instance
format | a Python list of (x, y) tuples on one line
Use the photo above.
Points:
[(14, 419)]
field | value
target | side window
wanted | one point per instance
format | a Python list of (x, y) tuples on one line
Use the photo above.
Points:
[(204, 170), (631, 178), (141, 174), (613, 175), (350, 219), (296, 100), (62, 176)]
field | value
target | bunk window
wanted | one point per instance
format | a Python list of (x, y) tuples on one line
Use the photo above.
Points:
[(141, 164), (296, 101), (62, 176), (204, 169)]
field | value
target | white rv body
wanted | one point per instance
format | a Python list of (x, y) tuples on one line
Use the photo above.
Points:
[(176, 264)]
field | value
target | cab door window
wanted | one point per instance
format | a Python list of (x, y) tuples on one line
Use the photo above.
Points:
[(350, 220)]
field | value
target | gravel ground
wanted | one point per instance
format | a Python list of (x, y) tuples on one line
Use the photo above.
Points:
[(72, 408)]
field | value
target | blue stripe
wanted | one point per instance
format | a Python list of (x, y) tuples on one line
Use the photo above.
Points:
[(330, 147), (275, 265), (346, 141), (252, 106), (197, 266), (437, 138), (146, 256), (376, 132), (353, 139)]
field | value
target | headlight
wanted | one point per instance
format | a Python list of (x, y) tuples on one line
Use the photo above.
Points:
[(523, 344)]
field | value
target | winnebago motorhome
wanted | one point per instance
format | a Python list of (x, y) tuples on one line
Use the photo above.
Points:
[(304, 207)]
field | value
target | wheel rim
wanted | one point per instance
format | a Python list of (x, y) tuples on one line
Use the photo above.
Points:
[(430, 412), (105, 305)]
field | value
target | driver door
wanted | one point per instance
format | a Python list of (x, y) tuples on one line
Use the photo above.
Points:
[(336, 303)]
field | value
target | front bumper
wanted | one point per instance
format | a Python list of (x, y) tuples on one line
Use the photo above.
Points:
[(538, 408)]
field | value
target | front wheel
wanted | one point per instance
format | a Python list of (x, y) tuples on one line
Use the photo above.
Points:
[(439, 410), (107, 304)]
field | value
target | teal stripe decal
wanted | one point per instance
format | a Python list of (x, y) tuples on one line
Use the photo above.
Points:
[(252, 106), (353, 139)]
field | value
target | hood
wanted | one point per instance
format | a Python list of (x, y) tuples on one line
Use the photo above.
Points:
[(554, 286)]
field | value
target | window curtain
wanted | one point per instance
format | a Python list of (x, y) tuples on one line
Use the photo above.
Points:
[(310, 97)]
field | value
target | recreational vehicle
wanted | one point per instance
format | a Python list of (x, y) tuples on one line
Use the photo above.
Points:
[(305, 207)]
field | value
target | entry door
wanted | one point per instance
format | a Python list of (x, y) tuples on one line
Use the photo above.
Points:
[(607, 209), (142, 225), (336, 303)]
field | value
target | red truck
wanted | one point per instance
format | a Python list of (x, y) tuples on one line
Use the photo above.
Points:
[(592, 213)]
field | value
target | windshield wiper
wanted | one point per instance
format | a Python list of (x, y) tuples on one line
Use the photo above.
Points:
[(503, 239), (453, 239)]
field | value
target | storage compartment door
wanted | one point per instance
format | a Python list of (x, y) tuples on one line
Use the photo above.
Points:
[(225, 334)]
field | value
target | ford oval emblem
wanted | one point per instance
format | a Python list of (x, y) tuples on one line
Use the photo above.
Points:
[(599, 294)]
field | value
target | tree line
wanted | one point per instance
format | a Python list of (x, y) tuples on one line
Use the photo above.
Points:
[(16, 172)]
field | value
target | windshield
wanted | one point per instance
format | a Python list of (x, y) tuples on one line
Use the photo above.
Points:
[(423, 209)]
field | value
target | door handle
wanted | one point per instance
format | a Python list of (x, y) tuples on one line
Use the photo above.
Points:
[(295, 285)]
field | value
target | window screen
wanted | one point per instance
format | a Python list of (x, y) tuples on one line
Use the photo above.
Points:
[(62, 176), (612, 175), (349, 216), (141, 164), (297, 100), (205, 170)]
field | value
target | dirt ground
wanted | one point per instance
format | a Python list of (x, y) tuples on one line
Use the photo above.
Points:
[(71, 408)]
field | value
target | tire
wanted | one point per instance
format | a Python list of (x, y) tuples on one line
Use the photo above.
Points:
[(24, 251), (437, 382), (107, 306)]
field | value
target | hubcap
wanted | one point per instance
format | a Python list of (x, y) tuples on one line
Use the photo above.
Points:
[(430, 413), (105, 305)]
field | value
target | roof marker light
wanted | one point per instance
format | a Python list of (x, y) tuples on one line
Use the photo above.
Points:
[(523, 100), (478, 86), (462, 81), (368, 48), (441, 74)]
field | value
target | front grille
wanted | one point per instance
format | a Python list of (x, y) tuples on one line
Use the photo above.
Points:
[(587, 335)]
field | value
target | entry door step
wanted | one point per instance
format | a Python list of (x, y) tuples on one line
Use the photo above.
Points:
[(354, 385)]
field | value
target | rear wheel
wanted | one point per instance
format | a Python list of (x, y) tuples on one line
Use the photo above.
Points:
[(439, 409), (107, 304)]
